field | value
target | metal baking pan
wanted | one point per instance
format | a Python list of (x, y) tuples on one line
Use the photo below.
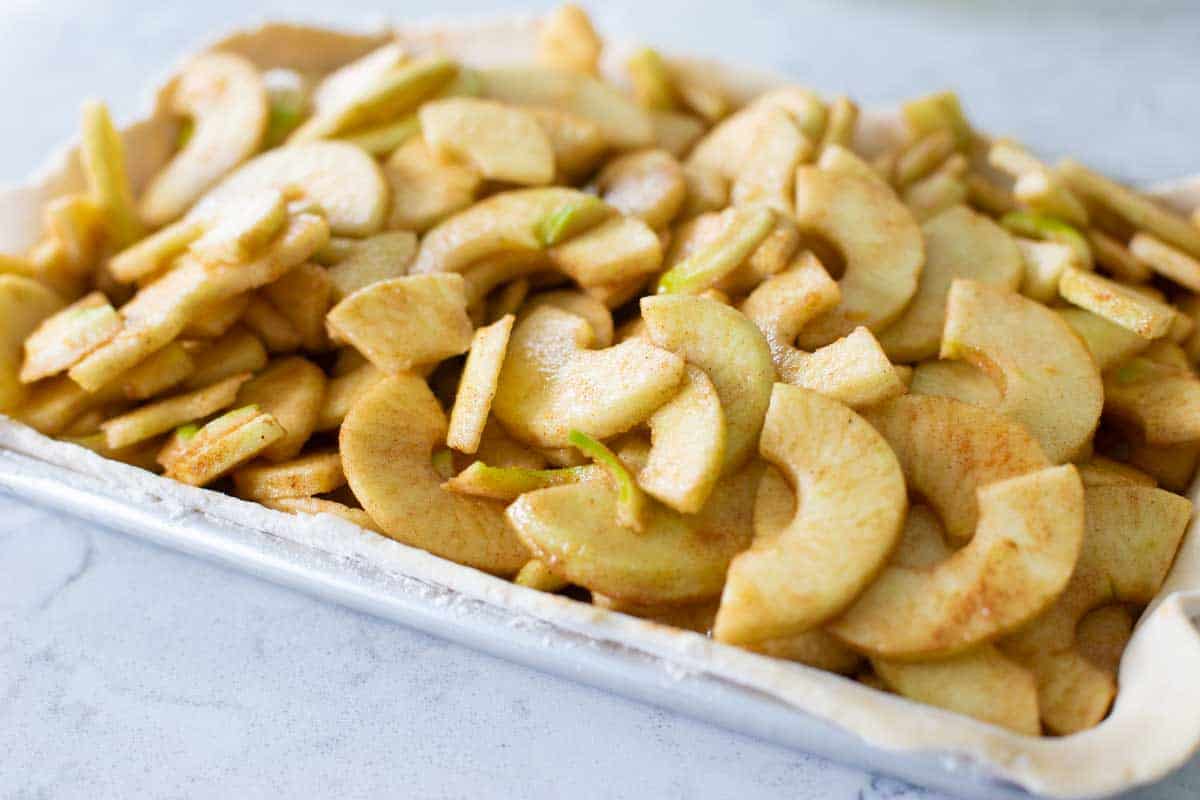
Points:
[(1153, 728)]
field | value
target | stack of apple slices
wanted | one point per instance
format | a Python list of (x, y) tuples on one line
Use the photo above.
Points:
[(917, 416)]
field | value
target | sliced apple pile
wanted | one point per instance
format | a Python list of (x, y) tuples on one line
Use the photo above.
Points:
[(896, 401)]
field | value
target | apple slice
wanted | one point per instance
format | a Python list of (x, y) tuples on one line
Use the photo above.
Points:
[(373, 96), (342, 391), (709, 264), (303, 296), (922, 156), (1102, 635), (509, 483), (1109, 343), (838, 159), (1102, 471), (727, 147), (405, 322), (552, 383), (161, 372), (616, 250), (653, 86), (675, 559), (841, 124), (784, 303), (339, 178), (426, 189), (1138, 210), (571, 219), (767, 176), (578, 142), (814, 648), (731, 351), (149, 421), (1161, 400), (242, 227), (1045, 263), (879, 240), (235, 352), (153, 253), (1120, 304), (982, 683), (1047, 228), (688, 446), (956, 379), (1049, 381), (316, 473), (270, 326), (631, 502), (376, 258), (63, 339), (352, 78), (477, 386), (536, 575), (647, 184), (853, 370), (959, 243), (852, 503), (387, 443), (580, 304), (505, 224), (316, 505), (567, 40), (202, 455), (942, 189), (102, 157), (1115, 257), (502, 143), (226, 100)]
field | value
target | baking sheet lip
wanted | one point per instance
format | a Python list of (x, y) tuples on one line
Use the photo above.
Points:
[(345, 575)]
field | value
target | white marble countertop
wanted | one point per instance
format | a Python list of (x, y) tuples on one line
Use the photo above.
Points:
[(130, 671)]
